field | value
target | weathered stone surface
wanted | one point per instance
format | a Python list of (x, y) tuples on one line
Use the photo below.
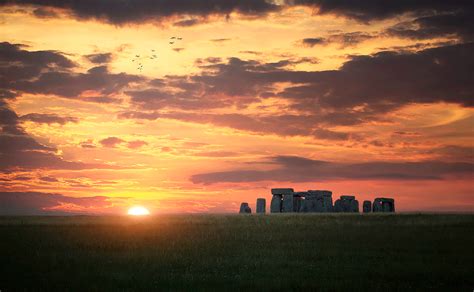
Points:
[(282, 191), (377, 205), (383, 205), (367, 206), (354, 208), (261, 205), (303, 206), (245, 208), (288, 204), (347, 204), (276, 204), (337, 206), (319, 201), (297, 203)]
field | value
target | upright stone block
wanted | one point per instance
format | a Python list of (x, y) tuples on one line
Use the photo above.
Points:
[(276, 204), (245, 208), (384, 205), (303, 206), (338, 206), (392, 209), (288, 203), (327, 201), (261, 205), (297, 200), (354, 206), (367, 206), (377, 205), (346, 204)]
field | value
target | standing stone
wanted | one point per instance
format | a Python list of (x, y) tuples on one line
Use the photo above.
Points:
[(392, 207), (367, 206), (288, 203), (337, 206), (346, 204), (297, 203), (326, 200), (261, 205), (384, 205), (377, 206), (354, 206), (303, 206), (244, 208), (275, 205)]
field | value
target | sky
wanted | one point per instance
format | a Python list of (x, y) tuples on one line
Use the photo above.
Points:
[(196, 106)]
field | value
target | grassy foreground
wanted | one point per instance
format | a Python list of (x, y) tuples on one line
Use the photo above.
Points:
[(235, 252)]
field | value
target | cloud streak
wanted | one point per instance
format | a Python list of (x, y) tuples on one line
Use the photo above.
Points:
[(299, 169), (37, 203)]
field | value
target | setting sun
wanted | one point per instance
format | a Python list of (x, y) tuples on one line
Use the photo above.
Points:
[(138, 211)]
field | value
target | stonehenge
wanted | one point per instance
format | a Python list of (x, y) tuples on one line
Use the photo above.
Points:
[(261, 206), (286, 200), (245, 209)]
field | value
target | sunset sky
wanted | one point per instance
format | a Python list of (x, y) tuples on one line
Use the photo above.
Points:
[(371, 99)]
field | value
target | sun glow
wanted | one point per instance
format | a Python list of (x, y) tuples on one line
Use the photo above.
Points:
[(138, 211)]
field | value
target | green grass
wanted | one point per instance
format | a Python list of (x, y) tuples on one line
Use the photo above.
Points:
[(238, 252)]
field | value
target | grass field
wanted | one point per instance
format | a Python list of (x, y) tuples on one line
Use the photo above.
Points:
[(238, 252)]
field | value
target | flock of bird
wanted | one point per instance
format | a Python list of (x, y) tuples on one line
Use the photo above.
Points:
[(138, 59)]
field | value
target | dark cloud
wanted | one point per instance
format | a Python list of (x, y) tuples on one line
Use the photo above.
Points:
[(137, 11), (311, 42), (49, 72), (48, 119), (32, 60), (454, 153), (22, 178), (36, 203), (378, 10), (458, 25), (251, 52), (177, 50), (45, 13), (72, 85), (299, 169), (99, 58), (219, 85), (187, 22), (101, 99), (362, 90), (431, 19), (19, 151), (282, 125), (111, 142), (344, 40), (48, 179)]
